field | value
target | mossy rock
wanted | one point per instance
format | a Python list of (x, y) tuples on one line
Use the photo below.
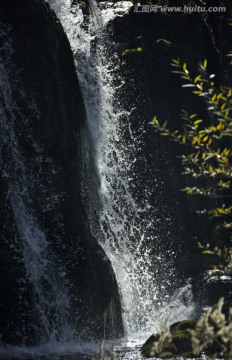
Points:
[(166, 355), (168, 351), (180, 346), (183, 325), (187, 355), (146, 349), (182, 341)]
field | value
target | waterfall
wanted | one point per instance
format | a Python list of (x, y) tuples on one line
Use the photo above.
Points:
[(31, 246), (126, 225), (121, 216)]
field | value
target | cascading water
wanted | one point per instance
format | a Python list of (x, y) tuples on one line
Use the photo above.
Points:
[(32, 247), (126, 227), (124, 223)]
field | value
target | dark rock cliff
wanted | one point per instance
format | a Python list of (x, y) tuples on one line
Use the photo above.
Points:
[(49, 127), (153, 90)]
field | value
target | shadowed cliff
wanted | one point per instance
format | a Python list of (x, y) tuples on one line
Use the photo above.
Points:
[(153, 90), (48, 124)]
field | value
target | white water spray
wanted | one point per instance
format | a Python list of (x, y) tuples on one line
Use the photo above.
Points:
[(128, 229), (130, 232), (42, 272)]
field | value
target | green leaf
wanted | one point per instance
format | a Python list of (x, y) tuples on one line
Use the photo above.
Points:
[(207, 252), (165, 41), (165, 124), (176, 61), (131, 51), (197, 78), (198, 122), (187, 85), (177, 72), (192, 116)]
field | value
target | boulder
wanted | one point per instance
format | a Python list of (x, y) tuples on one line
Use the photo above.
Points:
[(213, 287), (179, 343), (176, 341)]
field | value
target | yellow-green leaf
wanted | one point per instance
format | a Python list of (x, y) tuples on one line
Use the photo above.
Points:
[(197, 78), (192, 116), (198, 122), (195, 140), (207, 252)]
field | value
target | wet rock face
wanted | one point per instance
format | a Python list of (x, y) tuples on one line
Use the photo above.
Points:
[(154, 90), (213, 287), (48, 124), (178, 340)]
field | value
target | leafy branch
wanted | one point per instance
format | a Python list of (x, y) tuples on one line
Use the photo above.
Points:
[(207, 155)]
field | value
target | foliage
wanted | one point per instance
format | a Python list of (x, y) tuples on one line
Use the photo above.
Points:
[(207, 159), (160, 345), (213, 332), (131, 51)]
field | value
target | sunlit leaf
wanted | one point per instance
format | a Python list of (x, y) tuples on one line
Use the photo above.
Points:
[(192, 116), (187, 85), (197, 78), (198, 122), (208, 252), (176, 61)]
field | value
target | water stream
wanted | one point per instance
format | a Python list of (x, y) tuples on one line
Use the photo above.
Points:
[(128, 229), (124, 224), (31, 245)]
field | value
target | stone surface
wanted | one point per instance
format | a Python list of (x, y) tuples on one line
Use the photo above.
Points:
[(51, 138), (180, 344), (213, 287), (154, 90)]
